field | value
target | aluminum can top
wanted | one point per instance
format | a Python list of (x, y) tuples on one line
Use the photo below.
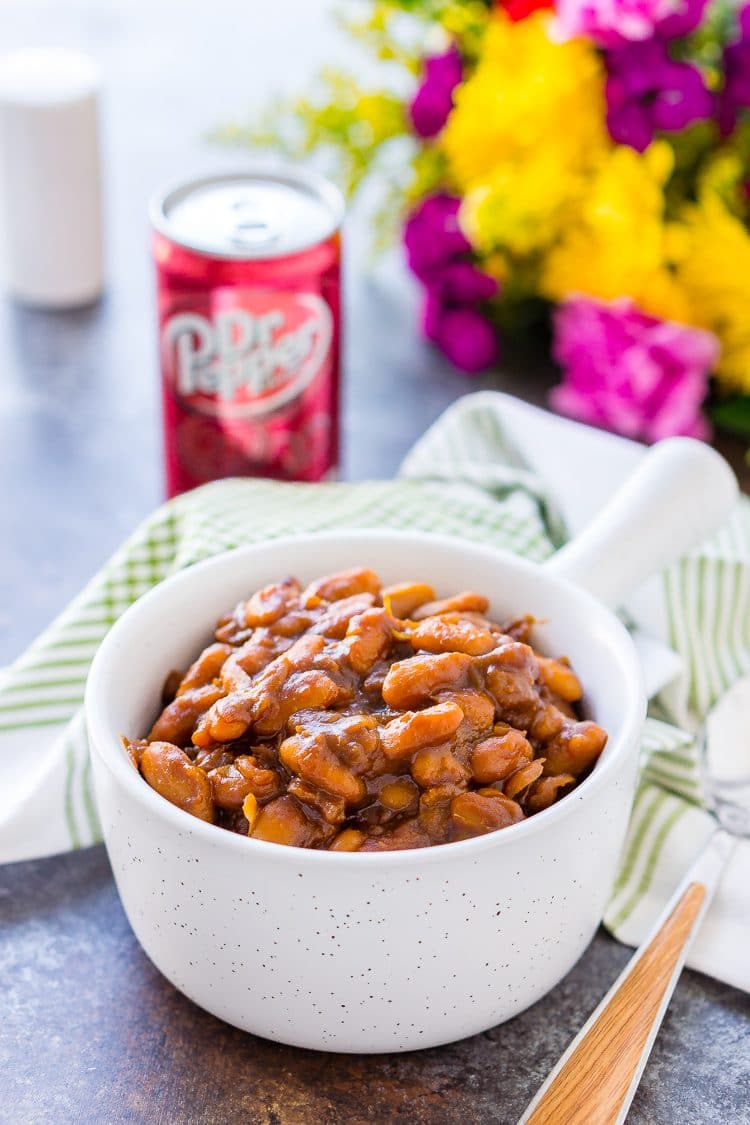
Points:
[(255, 214)]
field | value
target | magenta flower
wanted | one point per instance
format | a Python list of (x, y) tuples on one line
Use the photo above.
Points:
[(438, 253), (433, 100), (629, 372), (682, 21), (611, 23), (648, 92), (432, 235), (461, 283), (735, 94), (466, 337)]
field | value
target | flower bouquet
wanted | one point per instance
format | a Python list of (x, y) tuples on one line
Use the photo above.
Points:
[(590, 158)]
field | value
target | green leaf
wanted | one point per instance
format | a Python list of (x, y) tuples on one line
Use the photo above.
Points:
[(733, 414)]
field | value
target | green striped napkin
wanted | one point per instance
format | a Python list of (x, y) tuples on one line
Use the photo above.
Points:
[(466, 478)]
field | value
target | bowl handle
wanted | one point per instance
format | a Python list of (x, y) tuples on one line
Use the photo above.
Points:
[(681, 493)]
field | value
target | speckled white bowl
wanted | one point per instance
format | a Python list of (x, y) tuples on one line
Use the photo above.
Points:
[(371, 952)]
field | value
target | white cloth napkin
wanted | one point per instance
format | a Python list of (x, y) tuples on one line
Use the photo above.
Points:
[(493, 469), (684, 670)]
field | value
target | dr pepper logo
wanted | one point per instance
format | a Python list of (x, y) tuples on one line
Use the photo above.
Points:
[(250, 358)]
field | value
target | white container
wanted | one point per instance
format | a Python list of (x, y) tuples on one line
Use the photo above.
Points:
[(50, 178), (397, 950)]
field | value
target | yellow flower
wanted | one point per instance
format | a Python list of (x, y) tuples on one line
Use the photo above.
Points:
[(465, 20), (497, 266), (520, 207), (619, 245), (378, 116), (526, 130), (723, 174), (714, 268)]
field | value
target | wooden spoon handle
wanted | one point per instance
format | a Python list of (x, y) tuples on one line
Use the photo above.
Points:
[(595, 1080)]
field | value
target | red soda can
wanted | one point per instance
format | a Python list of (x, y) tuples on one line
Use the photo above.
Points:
[(248, 267)]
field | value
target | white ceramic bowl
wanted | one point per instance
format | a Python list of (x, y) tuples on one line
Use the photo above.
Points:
[(370, 952)]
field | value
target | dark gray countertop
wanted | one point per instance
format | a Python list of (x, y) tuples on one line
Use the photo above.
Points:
[(88, 1030)]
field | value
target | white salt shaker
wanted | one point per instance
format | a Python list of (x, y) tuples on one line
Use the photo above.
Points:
[(50, 178)]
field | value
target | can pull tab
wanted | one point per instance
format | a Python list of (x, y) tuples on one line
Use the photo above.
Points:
[(252, 229)]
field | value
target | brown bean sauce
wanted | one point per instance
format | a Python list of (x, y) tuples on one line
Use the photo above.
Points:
[(351, 717)]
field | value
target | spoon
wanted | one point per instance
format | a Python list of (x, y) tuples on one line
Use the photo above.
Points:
[(596, 1078)]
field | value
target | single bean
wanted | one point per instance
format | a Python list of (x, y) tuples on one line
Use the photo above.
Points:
[(477, 707), (435, 766), (368, 637), (459, 603), (499, 756), (302, 690), (271, 603), (353, 738), (401, 796), (523, 777), (560, 678), (179, 718), (413, 730), (575, 749), (227, 720), (334, 587), (510, 676), (546, 790), (412, 682), (452, 633), (335, 620), (349, 840), (473, 814), (170, 772), (283, 822), (205, 669), (311, 758), (293, 623), (547, 723), (230, 784)]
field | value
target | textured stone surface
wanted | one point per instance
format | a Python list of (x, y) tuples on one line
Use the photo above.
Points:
[(89, 1031)]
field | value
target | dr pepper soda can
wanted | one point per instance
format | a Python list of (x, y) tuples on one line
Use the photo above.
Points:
[(248, 269)]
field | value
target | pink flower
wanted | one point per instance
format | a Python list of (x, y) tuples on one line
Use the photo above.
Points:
[(461, 283), (466, 337), (433, 100), (648, 91), (735, 95), (439, 255), (432, 236), (630, 372), (611, 23)]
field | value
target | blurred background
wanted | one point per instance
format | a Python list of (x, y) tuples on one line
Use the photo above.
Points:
[(80, 423), (605, 175)]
